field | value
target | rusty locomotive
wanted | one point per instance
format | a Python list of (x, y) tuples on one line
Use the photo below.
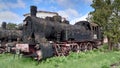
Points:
[(56, 36), (54, 29), (65, 37)]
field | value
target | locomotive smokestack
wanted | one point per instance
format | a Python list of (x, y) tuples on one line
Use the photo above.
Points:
[(3, 25), (33, 10)]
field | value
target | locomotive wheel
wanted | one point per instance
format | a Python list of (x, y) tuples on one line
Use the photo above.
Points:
[(89, 46), (94, 46), (75, 48), (65, 50), (60, 51), (82, 46), (85, 47), (57, 49), (1, 51)]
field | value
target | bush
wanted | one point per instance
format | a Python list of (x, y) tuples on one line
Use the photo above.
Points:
[(103, 48)]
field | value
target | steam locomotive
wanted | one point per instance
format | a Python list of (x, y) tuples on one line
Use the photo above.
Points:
[(56, 36), (79, 37), (54, 29)]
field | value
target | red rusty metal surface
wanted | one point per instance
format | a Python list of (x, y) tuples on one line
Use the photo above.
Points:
[(23, 47), (63, 48)]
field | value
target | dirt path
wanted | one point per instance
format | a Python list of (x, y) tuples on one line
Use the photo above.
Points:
[(115, 65)]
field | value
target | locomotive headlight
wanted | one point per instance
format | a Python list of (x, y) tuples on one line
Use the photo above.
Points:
[(94, 36)]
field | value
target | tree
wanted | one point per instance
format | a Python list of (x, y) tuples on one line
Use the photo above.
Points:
[(115, 19), (106, 15), (20, 26), (11, 26)]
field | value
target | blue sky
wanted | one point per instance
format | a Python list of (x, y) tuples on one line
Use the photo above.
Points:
[(72, 10)]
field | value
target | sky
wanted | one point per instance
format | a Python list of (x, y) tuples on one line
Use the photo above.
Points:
[(72, 10)]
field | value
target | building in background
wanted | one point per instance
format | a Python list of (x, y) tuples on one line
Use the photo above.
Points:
[(43, 14)]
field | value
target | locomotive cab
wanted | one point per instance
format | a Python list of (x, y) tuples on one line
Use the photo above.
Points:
[(85, 24), (96, 31)]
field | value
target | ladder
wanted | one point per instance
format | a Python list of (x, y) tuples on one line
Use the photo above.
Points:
[(58, 36)]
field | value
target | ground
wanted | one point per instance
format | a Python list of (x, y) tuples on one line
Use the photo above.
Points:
[(90, 59)]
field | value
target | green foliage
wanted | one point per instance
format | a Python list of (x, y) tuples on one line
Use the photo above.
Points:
[(101, 13), (90, 59), (103, 48), (20, 26), (11, 26), (105, 66), (106, 15)]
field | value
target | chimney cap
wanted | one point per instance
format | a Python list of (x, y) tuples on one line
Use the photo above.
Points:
[(32, 6), (33, 10)]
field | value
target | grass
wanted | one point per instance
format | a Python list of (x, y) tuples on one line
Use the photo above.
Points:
[(90, 59)]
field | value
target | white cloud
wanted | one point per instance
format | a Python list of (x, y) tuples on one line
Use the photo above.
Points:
[(82, 18), (70, 3), (69, 13), (44, 1), (88, 1), (8, 5), (9, 16), (19, 4), (66, 3), (37, 1)]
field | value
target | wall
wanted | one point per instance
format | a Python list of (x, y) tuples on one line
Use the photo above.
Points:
[(43, 15)]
